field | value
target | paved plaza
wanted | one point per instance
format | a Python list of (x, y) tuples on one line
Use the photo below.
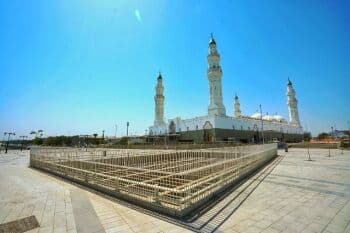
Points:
[(291, 194)]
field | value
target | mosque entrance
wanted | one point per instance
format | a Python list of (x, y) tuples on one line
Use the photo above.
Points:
[(207, 132), (172, 128)]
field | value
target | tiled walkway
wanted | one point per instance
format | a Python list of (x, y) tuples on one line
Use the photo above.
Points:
[(290, 195)]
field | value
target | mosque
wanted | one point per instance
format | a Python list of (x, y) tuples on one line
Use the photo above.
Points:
[(217, 126)]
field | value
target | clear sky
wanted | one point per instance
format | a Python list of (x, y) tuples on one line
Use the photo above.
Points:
[(77, 67)]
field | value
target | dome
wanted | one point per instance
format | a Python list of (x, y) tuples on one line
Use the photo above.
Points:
[(268, 118), (256, 115), (278, 118)]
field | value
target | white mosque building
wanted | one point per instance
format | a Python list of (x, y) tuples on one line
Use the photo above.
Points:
[(217, 126)]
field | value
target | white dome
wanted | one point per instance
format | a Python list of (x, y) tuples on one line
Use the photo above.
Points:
[(278, 118), (268, 118), (256, 115)]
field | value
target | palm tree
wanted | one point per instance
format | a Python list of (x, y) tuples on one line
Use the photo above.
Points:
[(40, 132), (34, 132)]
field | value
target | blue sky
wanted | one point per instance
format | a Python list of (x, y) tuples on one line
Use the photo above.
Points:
[(77, 67)]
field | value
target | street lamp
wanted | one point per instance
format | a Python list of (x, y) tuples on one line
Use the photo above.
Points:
[(23, 137), (262, 124), (329, 144), (332, 134), (8, 139), (2, 142)]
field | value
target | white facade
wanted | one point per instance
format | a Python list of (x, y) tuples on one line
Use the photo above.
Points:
[(226, 122), (217, 117)]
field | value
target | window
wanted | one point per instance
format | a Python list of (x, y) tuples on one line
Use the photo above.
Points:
[(241, 127), (196, 127), (248, 127), (233, 127), (188, 128)]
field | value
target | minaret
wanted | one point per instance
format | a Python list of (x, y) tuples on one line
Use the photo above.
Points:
[(237, 107), (292, 104), (216, 107), (159, 102)]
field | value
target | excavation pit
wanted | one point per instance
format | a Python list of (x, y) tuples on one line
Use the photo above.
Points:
[(168, 181)]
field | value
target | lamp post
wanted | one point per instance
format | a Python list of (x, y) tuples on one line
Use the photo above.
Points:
[(8, 139), (2, 142), (262, 125), (332, 132), (23, 137), (329, 144)]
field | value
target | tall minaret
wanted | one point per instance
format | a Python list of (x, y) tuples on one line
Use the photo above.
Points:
[(292, 104), (216, 107), (159, 102), (237, 106)]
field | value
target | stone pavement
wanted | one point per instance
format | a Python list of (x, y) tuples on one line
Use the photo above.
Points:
[(289, 195)]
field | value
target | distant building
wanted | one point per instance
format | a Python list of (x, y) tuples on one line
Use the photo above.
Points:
[(339, 133), (217, 126)]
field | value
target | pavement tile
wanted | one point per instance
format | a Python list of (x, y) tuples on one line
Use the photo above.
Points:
[(297, 196)]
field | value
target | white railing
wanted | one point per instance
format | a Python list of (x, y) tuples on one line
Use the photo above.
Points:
[(167, 180)]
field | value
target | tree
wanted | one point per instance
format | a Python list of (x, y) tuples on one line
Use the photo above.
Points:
[(322, 136), (95, 135), (38, 141)]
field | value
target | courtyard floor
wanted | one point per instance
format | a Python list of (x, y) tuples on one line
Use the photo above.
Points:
[(291, 194)]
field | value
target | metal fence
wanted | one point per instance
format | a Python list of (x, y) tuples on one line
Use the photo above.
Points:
[(169, 181)]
